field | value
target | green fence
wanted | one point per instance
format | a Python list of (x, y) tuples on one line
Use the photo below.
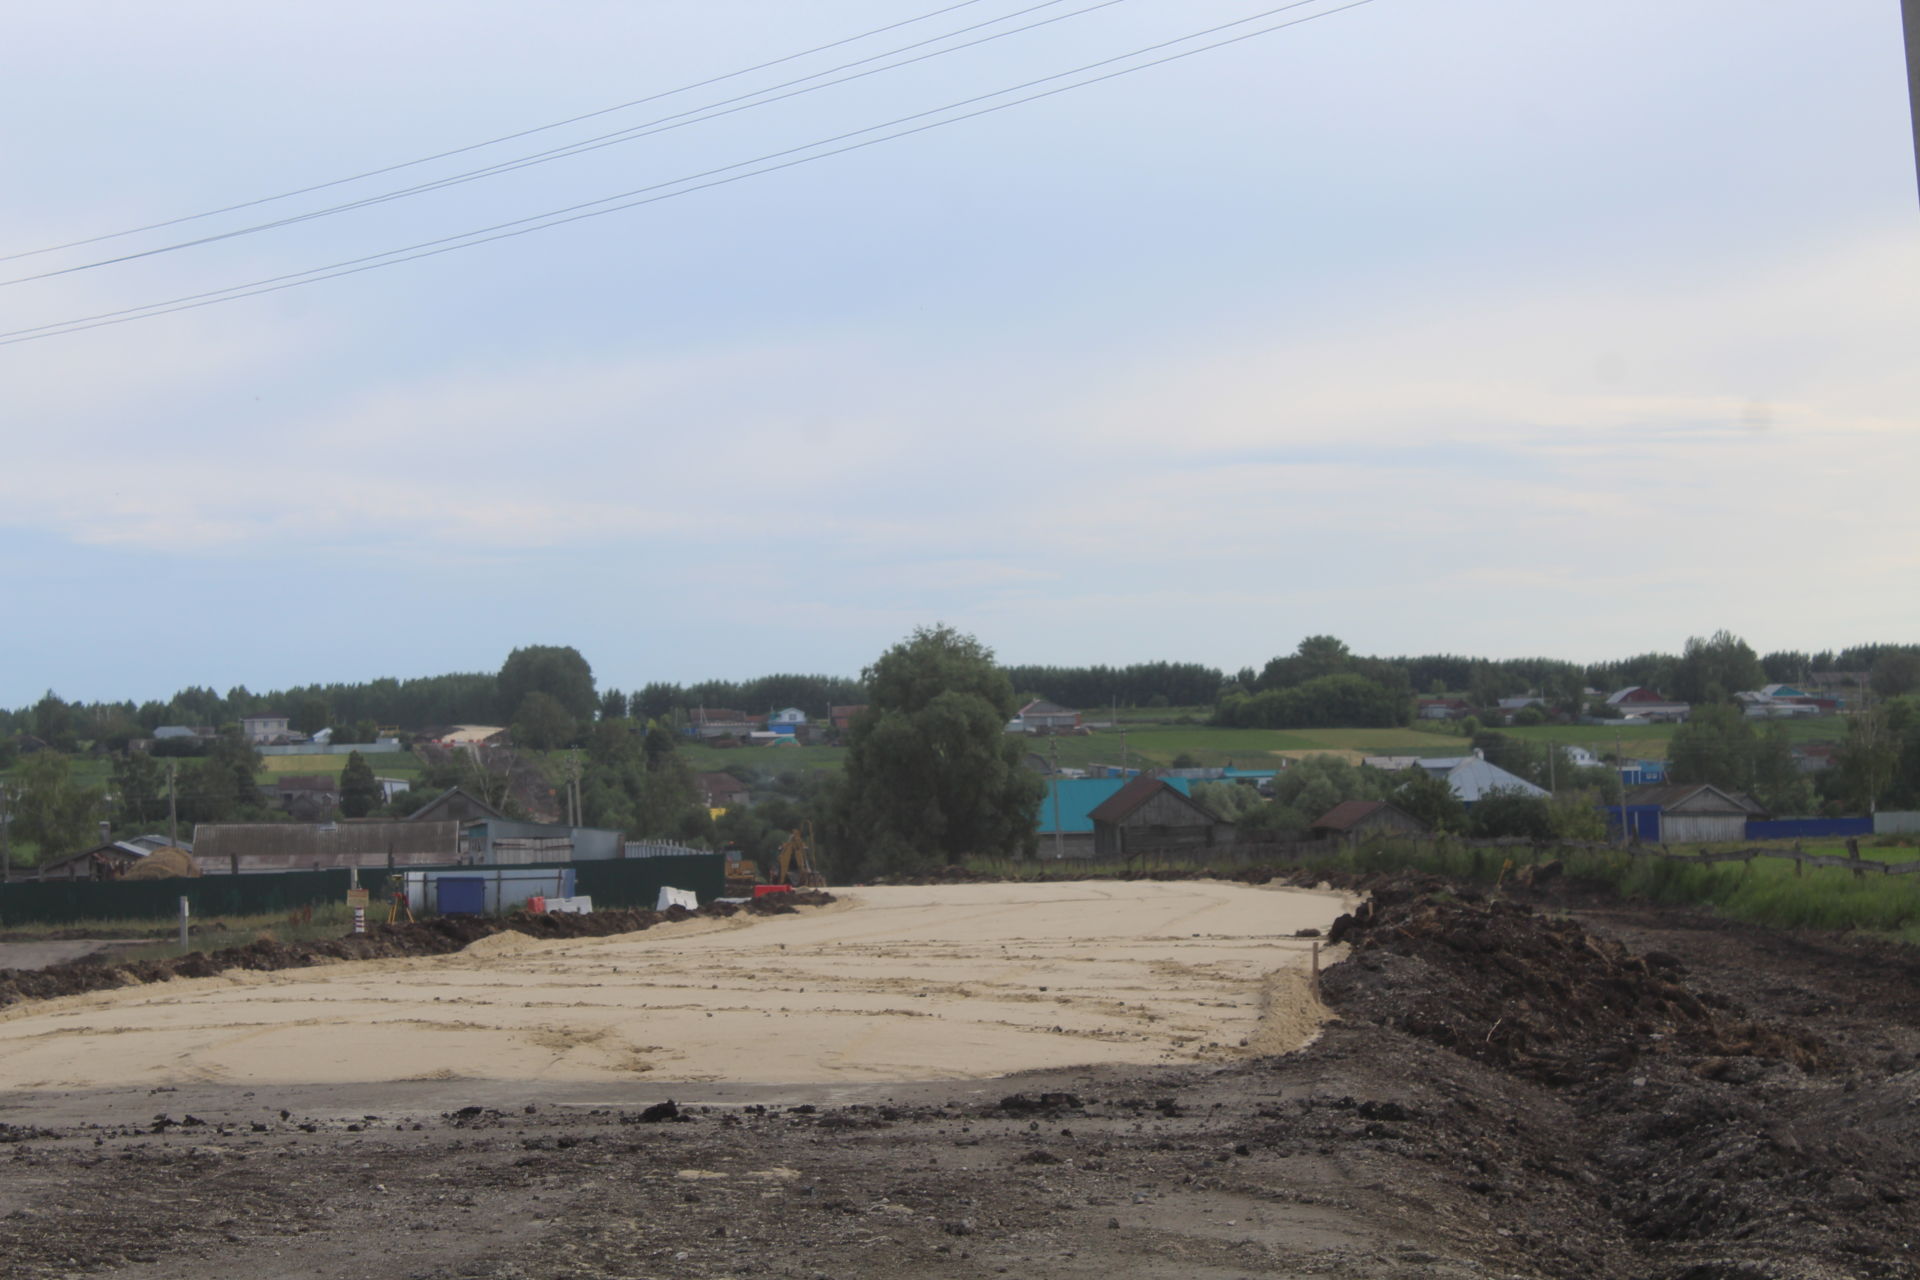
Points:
[(625, 882), (63, 901)]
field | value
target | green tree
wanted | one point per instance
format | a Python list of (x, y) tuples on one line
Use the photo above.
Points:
[(1575, 815), (309, 715), (359, 789), (1896, 673), (558, 671), (1431, 800), (139, 789), (613, 705), (1501, 814), (53, 722), (542, 723), (931, 775), (1719, 746), (1868, 759), (1714, 669), (52, 810)]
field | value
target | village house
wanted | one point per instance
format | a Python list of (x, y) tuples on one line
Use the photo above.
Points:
[(1684, 813), (1357, 820), (1152, 814), (265, 728), (1042, 716)]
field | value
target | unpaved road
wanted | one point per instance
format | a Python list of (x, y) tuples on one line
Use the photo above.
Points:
[(1559, 1087), (39, 955), (894, 983)]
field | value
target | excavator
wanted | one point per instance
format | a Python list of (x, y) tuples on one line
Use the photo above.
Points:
[(796, 862), (793, 863)]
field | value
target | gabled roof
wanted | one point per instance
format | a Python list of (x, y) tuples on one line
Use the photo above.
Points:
[(1672, 795), (1042, 707), (425, 813), (1077, 798), (1118, 806), (1343, 816), (1472, 777)]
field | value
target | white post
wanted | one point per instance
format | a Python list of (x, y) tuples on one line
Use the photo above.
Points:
[(183, 924)]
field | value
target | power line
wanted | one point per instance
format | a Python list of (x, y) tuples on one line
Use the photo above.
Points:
[(651, 128), (580, 212), (491, 142)]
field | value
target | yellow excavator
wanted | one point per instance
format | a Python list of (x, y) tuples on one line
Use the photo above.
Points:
[(796, 862)]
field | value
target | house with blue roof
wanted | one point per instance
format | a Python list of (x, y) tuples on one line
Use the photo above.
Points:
[(1065, 819)]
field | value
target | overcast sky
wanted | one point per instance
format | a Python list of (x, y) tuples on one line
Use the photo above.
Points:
[(1484, 326)]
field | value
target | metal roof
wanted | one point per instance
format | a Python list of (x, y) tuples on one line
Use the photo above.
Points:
[(1079, 797)]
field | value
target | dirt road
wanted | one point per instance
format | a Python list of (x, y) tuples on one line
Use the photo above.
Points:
[(1558, 1087)]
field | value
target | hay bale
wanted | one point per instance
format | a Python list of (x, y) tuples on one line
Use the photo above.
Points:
[(163, 864)]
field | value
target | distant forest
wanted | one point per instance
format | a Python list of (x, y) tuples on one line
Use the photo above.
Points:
[(1369, 687)]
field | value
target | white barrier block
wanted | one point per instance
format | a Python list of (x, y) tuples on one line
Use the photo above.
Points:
[(677, 898)]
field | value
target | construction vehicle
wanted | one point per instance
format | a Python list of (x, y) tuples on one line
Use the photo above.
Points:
[(796, 862), (742, 875)]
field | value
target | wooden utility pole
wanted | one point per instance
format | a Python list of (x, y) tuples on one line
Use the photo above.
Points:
[(1053, 784)]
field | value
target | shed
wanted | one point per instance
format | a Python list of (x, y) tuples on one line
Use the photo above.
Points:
[(1686, 813), (1150, 813), (1359, 819), (721, 790)]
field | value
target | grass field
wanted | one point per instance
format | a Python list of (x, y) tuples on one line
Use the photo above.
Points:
[(1246, 748), (1651, 741), (387, 764), (773, 760)]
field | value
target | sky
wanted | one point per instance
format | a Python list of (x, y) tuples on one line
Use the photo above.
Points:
[(1488, 327)]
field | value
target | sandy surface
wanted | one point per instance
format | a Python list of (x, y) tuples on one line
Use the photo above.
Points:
[(899, 983)]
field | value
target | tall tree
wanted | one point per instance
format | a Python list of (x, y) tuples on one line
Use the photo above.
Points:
[(557, 671), (50, 808), (1714, 669), (138, 789), (931, 775), (543, 723), (359, 789)]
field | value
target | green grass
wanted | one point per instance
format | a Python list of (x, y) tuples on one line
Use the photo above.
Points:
[(1246, 748), (1650, 741), (389, 764), (775, 760), (330, 920)]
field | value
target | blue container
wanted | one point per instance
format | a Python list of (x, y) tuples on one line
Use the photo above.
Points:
[(460, 895)]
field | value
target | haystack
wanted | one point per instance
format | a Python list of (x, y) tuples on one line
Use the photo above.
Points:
[(163, 864)]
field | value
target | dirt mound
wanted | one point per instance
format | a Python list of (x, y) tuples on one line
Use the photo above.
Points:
[(1536, 995), (437, 936)]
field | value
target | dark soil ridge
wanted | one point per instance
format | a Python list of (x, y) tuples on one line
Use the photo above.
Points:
[(437, 936), (1646, 1111)]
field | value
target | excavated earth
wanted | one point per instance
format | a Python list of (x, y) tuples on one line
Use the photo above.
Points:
[(1548, 1082)]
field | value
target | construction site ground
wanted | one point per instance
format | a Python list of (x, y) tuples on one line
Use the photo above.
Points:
[(1546, 1082)]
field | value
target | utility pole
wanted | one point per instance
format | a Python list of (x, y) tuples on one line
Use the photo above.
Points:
[(1620, 777), (1053, 784)]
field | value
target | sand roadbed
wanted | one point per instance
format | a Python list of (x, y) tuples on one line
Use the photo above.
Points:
[(891, 983)]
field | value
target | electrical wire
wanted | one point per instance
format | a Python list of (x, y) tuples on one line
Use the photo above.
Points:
[(492, 142), (651, 128), (580, 212)]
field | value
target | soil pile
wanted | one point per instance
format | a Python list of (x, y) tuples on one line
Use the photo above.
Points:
[(440, 935), (1613, 1093), (1536, 995)]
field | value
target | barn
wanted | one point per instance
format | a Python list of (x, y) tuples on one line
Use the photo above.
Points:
[(1686, 813), (1149, 813)]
